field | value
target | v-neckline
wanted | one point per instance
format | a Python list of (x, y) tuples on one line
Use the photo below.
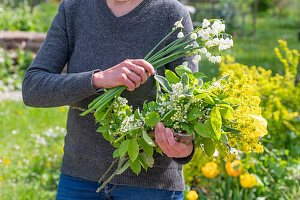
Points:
[(135, 11)]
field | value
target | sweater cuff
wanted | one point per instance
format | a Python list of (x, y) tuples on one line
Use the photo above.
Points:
[(185, 160), (99, 90)]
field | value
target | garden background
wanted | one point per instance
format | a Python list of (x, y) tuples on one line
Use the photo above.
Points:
[(31, 144)]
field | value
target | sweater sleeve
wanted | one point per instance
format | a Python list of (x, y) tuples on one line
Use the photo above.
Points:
[(43, 84)]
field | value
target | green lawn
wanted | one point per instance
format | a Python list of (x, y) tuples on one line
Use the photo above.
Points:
[(30, 150), (258, 50)]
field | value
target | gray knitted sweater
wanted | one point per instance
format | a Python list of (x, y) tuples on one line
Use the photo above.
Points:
[(88, 36)]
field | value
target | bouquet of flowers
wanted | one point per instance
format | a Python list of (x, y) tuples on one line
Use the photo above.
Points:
[(217, 115)]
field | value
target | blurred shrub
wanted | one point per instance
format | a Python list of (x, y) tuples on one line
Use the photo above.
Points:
[(13, 65), (276, 171), (27, 18), (280, 97)]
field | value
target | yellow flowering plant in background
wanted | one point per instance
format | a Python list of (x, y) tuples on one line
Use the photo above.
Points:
[(210, 170), (234, 168), (248, 180), (280, 95)]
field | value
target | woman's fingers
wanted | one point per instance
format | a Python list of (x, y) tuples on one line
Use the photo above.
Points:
[(148, 67), (136, 79), (159, 129), (140, 71)]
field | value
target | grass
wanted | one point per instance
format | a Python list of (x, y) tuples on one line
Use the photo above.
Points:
[(30, 150), (259, 49)]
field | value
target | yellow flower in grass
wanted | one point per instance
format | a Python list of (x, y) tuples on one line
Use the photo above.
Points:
[(192, 195), (20, 163), (248, 180), (210, 170), (48, 164), (6, 161), (1, 178), (234, 169)]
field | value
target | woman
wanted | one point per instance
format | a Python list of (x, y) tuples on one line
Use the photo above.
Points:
[(96, 38)]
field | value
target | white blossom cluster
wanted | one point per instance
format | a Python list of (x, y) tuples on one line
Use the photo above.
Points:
[(210, 35)]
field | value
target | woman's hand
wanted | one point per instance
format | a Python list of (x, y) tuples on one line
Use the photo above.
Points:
[(166, 141), (131, 73)]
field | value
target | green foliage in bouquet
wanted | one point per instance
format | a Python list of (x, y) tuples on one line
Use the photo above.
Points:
[(218, 118)]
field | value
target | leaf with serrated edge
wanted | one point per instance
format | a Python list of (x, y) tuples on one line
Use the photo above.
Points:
[(147, 148), (216, 121), (152, 118), (209, 146), (135, 166), (147, 139), (123, 148), (133, 149)]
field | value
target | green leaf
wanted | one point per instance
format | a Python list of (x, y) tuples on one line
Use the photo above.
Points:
[(200, 83), (181, 69), (148, 160), (199, 75), (226, 111), (99, 115), (164, 83), (216, 121), (109, 136), (123, 148), (102, 129), (147, 139), (224, 138), (137, 114), (127, 164), (172, 77), (168, 115), (153, 105), (116, 153), (185, 80), (200, 96), (133, 149), (135, 166), (194, 114), (203, 129), (226, 77), (209, 146), (232, 101), (146, 147), (152, 118)]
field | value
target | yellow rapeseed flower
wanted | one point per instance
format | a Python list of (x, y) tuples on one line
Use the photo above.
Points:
[(234, 169), (48, 164), (1, 178), (192, 195), (6, 161), (20, 163), (20, 112), (210, 170), (248, 180)]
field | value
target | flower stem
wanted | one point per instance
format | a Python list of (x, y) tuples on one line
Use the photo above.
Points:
[(112, 164)]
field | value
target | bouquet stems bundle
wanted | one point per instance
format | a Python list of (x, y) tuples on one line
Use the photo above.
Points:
[(208, 37)]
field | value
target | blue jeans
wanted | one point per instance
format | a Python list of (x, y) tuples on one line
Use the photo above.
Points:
[(72, 188)]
